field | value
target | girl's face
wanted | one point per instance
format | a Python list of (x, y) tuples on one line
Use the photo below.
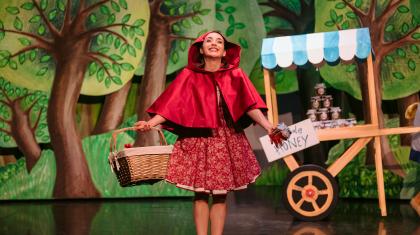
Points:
[(213, 46)]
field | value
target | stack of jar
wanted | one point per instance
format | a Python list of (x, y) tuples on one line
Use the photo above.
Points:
[(322, 114)]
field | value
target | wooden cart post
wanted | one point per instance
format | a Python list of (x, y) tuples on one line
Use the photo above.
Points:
[(272, 113), (377, 140), (271, 96)]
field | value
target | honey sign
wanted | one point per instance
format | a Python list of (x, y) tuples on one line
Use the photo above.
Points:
[(303, 136)]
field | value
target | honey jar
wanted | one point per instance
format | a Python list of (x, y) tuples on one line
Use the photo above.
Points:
[(315, 102), (323, 114), (326, 101), (320, 89), (335, 113), (311, 114)]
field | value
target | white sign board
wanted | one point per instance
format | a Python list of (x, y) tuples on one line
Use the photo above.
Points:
[(303, 136)]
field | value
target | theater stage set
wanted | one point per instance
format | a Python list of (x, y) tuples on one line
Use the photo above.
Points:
[(75, 75)]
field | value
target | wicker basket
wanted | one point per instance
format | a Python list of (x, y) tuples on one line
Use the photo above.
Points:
[(139, 165)]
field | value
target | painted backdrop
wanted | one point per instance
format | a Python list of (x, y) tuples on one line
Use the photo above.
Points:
[(71, 71)]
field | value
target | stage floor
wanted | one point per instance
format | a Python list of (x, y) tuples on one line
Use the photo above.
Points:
[(256, 211)]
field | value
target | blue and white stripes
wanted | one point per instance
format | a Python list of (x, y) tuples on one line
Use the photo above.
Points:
[(315, 47)]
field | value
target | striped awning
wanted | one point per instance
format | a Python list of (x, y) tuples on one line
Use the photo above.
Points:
[(297, 50)]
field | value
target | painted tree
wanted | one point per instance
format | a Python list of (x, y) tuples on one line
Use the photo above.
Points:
[(112, 111), (283, 18), (175, 25), (394, 33), (23, 121), (71, 48), (242, 23)]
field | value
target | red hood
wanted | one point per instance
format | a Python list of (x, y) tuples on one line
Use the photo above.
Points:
[(232, 58)]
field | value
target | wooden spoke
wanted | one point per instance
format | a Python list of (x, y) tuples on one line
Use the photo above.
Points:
[(310, 179), (300, 202), (315, 205), (297, 188), (323, 192)]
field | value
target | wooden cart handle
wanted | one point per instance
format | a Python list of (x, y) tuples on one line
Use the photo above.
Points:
[(113, 143)]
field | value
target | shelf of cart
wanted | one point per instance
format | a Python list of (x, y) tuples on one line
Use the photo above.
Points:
[(361, 131)]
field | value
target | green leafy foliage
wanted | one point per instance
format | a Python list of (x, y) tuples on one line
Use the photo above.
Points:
[(242, 22), (286, 80), (107, 67), (194, 19), (12, 10), (109, 62), (398, 68), (18, 24), (415, 9), (274, 22), (403, 9), (223, 11), (203, 16), (186, 25), (275, 174), (33, 101), (16, 183), (61, 5), (106, 18), (24, 41), (27, 6)]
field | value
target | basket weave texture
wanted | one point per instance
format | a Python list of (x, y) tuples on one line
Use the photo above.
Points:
[(139, 165)]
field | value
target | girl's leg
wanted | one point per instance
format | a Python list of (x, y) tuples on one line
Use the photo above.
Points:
[(218, 214), (201, 213)]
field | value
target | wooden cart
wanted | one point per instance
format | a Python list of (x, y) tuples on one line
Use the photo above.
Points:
[(319, 189)]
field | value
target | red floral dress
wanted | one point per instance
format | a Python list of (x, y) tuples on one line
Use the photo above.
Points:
[(216, 163)]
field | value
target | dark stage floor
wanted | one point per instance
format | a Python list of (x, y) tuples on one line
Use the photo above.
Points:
[(257, 210)]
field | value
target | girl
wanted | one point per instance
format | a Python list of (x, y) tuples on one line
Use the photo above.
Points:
[(208, 105)]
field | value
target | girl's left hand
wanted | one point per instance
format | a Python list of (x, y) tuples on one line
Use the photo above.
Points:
[(142, 126), (277, 136)]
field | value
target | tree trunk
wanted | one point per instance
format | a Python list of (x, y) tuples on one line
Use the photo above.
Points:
[(387, 154), (362, 73), (24, 135), (87, 118), (112, 110), (73, 178), (153, 82), (403, 103)]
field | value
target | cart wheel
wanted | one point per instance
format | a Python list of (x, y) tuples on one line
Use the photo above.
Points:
[(310, 193)]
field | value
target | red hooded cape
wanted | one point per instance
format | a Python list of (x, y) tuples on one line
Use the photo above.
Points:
[(190, 100)]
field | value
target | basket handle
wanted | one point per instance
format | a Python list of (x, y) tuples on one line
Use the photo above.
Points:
[(113, 143)]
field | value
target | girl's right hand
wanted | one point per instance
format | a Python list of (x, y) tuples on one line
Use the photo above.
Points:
[(142, 126)]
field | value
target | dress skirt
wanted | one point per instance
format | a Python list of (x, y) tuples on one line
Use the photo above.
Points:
[(215, 163)]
